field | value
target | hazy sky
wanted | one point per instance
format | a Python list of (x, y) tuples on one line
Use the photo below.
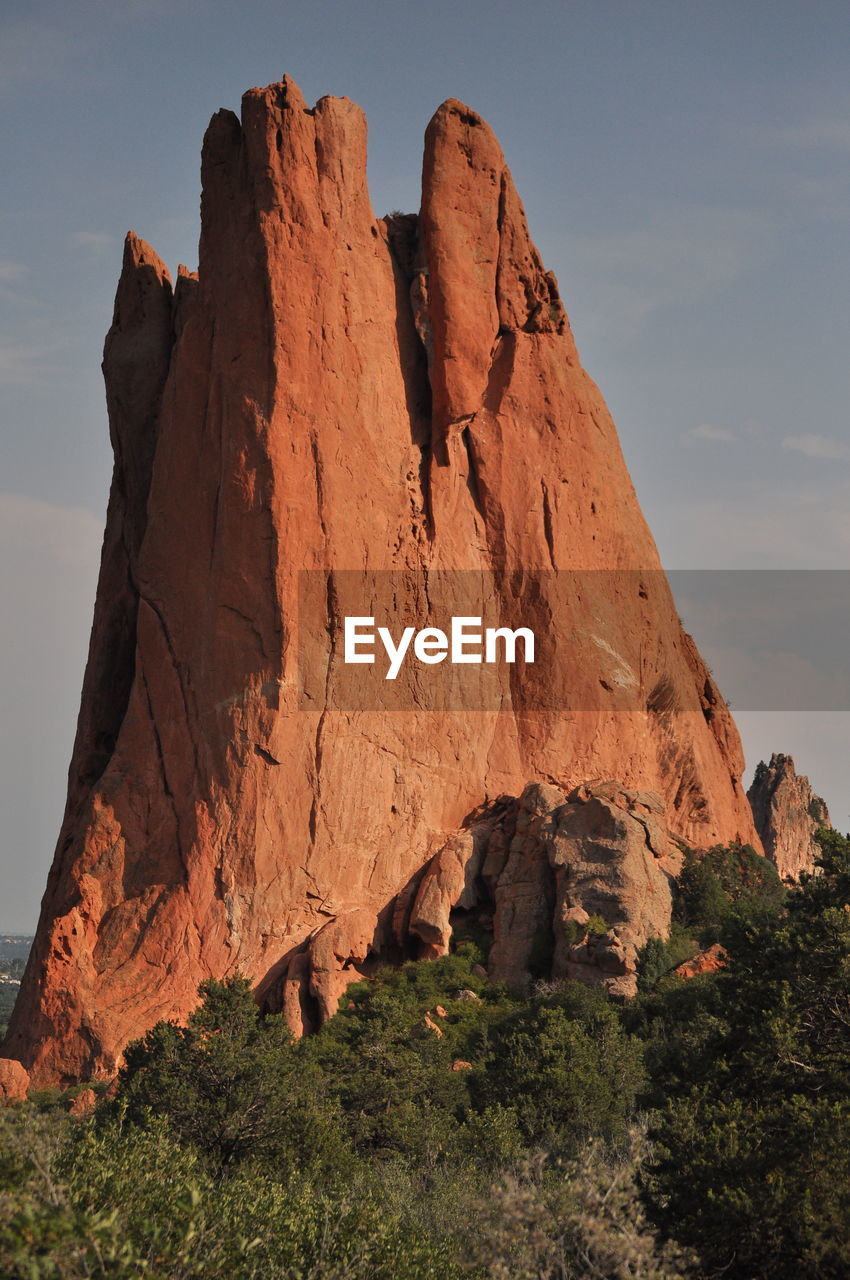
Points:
[(684, 167)]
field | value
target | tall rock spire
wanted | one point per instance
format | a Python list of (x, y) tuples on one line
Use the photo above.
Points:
[(337, 392), (788, 815)]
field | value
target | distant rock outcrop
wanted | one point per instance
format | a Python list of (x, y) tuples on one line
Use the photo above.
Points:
[(787, 815), (336, 392)]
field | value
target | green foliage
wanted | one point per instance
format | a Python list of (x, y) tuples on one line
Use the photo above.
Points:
[(658, 957), (726, 881), (566, 1068), (596, 927), (232, 1085), (113, 1202), (573, 932), (577, 1221), (441, 1127), (390, 1074), (753, 1165)]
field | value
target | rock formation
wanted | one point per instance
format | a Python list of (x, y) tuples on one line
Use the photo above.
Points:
[(337, 392), (14, 1081), (571, 886), (708, 961), (787, 815), (566, 886)]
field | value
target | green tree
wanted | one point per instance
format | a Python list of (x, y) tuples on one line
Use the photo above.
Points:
[(566, 1068), (232, 1084), (753, 1167), (391, 1073), (721, 882)]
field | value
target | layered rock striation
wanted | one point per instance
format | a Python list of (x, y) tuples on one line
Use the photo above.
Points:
[(788, 815), (337, 392)]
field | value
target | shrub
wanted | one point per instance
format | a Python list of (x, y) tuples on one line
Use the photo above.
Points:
[(724, 881), (567, 1069)]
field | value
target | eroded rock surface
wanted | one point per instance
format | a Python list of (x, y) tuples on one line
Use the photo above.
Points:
[(333, 391), (572, 886), (14, 1081), (787, 815)]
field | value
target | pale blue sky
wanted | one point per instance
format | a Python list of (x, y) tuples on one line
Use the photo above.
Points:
[(686, 172)]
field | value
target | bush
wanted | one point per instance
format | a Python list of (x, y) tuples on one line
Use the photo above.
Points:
[(234, 1086), (566, 1068), (753, 1164), (727, 880), (657, 958), (580, 1221), (111, 1202)]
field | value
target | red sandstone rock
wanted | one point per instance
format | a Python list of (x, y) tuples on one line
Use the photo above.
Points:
[(708, 961), (14, 1081), (549, 863), (84, 1103), (333, 391), (428, 1024), (787, 815)]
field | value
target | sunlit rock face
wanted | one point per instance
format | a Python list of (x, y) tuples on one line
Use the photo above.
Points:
[(787, 815), (334, 391)]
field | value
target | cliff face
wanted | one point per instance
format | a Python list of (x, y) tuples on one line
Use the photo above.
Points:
[(337, 392), (787, 815)]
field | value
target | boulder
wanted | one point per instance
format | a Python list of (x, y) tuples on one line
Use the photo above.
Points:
[(14, 1081)]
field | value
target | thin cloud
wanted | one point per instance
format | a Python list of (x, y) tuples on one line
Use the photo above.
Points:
[(96, 243), (11, 271), (813, 133), (24, 364), (706, 431), (812, 445)]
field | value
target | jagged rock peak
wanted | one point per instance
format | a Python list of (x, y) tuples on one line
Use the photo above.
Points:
[(787, 815), (334, 392)]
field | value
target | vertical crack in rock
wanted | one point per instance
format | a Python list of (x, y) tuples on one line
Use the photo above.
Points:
[(415, 344), (547, 523)]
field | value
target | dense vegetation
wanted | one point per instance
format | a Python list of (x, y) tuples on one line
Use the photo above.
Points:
[(701, 1130)]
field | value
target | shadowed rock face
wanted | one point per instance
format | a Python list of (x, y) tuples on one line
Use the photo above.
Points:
[(787, 815), (570, 886), (330, 392)]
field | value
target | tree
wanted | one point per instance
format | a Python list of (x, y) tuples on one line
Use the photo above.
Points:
[(232, 1084), (567, 1069), (754, 1146)]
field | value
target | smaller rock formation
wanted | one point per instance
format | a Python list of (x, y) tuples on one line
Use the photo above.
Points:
[(787, 815), (566, 885), (708, 961), (84, 1104), (429, 1024), (578, 883), (14, 1081)]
